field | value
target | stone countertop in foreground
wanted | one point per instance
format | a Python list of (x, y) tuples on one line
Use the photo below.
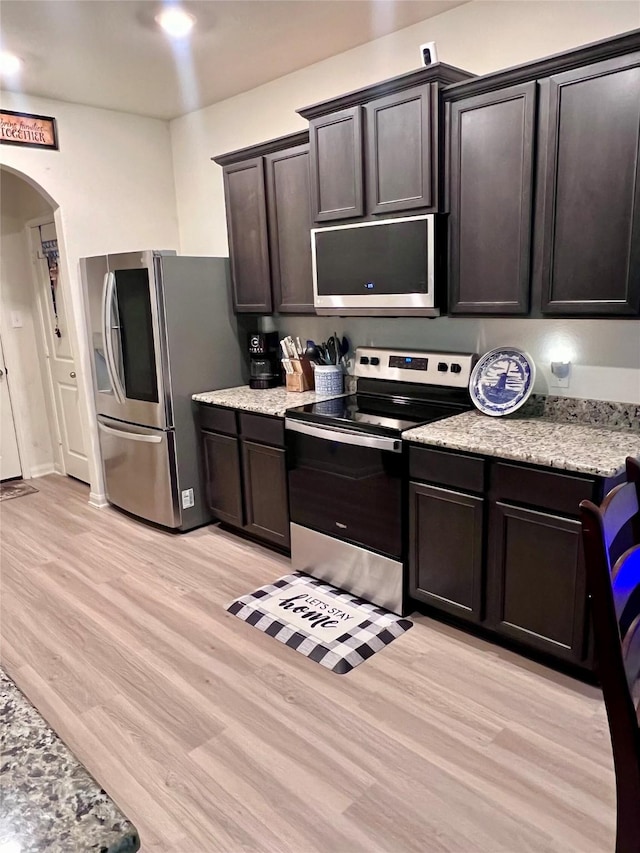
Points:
[(587, 449), (48, 801), (272, 401)]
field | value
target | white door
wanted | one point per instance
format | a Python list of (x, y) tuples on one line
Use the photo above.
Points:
[(61, 367), (9, 457)]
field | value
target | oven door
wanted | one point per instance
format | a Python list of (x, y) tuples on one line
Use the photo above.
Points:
[(346, 484)]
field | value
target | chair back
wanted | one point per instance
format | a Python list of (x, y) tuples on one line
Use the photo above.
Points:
[(611, 537)]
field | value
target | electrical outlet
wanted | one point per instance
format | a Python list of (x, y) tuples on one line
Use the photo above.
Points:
[(560, 373)]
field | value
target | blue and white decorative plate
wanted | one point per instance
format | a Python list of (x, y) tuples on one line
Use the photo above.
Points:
[(502, 381)]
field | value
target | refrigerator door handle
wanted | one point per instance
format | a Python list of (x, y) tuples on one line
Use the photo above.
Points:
[(108, 292), (132, 436)]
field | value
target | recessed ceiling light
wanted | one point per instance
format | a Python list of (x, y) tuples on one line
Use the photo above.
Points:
[(176, 22), (9, 63)]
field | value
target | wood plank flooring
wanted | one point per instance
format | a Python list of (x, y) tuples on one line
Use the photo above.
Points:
[(214, 737)]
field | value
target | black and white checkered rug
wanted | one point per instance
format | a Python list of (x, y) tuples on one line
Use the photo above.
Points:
[(332, 627)]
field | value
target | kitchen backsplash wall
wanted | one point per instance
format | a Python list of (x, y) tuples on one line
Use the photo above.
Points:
[(479, 37), (604, 354)]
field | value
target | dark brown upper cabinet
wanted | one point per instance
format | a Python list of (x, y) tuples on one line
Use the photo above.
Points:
[(400, 149), (378, 150), (289, 223), (492, 139), (247, 230), (546, 219), (268, 205), (336, 172), (590, 189)]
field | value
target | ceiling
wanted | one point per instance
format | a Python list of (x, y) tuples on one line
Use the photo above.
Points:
[(111, 53)]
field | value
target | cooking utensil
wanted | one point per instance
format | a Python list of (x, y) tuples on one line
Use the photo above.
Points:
[(312, 352), (344, 351)]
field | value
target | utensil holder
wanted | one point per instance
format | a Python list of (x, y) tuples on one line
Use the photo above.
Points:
[(329, 379), (302, 377)]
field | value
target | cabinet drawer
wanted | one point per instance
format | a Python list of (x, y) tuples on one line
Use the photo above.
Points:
[(447, 468), (218, 419), (262, 428), (545, 489)]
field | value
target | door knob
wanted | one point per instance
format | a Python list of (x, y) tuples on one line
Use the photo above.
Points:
[(1, 373), (73, 374)]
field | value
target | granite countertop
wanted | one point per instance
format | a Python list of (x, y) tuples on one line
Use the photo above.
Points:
[(586, 448), (48, 801), (272, 401)]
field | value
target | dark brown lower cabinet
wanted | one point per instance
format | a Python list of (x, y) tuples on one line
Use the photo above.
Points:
[(445, 558), (246, 472), (498, 544), (223, 478), (535, 580), (265, 492)]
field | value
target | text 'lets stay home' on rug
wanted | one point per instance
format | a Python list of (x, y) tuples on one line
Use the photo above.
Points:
[(327, 625)]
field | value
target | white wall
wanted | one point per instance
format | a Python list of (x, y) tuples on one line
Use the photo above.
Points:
[(112, 186), (480, 37), (18, 204)]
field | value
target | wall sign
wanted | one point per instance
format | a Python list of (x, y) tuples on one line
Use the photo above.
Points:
[(28, 130)]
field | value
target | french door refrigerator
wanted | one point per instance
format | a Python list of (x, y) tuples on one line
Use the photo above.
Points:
[(161, 328)]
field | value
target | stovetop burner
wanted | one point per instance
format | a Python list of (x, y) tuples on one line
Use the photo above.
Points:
[(368, 413), (397, 390)]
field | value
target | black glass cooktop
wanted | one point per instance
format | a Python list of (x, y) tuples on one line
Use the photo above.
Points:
[(387, 416)]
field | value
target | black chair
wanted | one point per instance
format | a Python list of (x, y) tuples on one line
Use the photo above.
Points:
[(611, 536)]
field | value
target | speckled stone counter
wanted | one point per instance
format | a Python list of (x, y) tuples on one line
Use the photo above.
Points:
[(588, 449), (48, 801), (273, 401)]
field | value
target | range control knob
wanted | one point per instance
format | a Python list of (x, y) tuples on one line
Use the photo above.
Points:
[(364, 359), (443, 367), (375, 360), (455, 368)]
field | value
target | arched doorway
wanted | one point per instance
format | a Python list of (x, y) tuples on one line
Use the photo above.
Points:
[(41, 372)]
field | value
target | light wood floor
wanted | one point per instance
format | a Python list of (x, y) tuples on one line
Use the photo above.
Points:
[(214, 737)]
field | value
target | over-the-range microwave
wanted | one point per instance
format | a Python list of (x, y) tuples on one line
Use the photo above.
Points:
[(374, 267)]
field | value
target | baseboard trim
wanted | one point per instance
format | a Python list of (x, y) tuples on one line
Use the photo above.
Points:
[(97, 500), (42, 470)]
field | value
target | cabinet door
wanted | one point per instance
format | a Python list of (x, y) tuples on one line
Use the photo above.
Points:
[(491, 139), (222, 472), (336, 165), (265, 491), (289, 209), (445, 561), (247, 226), (400, 151), (536, 583), (590, 174)]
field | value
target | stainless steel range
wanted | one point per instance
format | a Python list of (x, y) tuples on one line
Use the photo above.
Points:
[(346, 469)]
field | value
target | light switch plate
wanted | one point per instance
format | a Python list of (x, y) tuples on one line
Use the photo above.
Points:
[(16, 319)]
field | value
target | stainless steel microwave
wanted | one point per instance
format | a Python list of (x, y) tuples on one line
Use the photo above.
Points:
[(374, 267)]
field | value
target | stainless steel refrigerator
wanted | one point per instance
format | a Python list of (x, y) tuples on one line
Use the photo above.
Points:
[(161, 328)]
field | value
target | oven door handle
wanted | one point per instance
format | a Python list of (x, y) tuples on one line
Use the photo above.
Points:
[(343, 436)]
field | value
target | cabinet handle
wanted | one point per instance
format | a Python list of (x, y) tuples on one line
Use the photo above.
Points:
[(73, 374)]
